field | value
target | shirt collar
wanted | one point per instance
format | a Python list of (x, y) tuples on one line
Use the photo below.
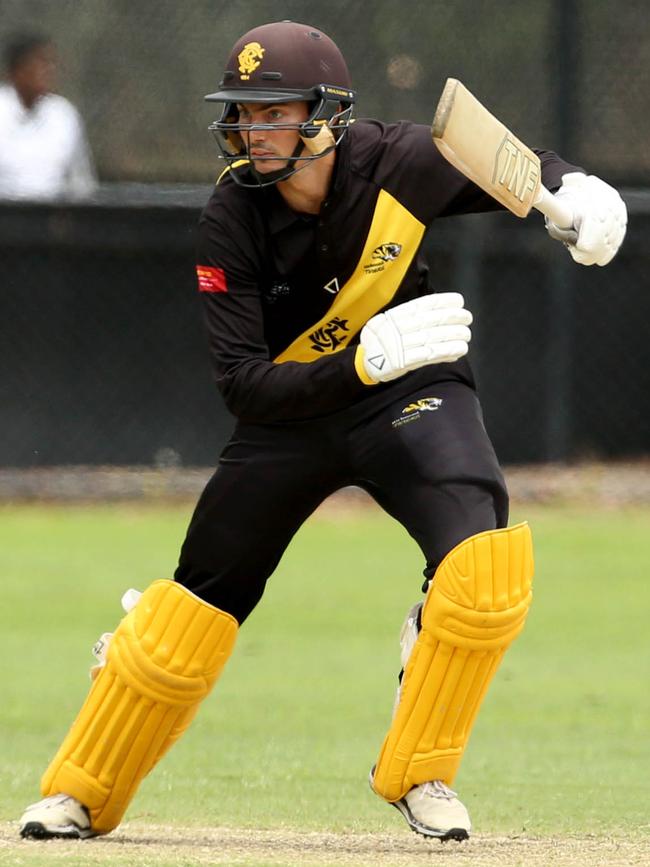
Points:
[(18, 107), (279, 214)]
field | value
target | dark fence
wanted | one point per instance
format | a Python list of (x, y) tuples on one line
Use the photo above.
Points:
[(104, 357), (569, 75)]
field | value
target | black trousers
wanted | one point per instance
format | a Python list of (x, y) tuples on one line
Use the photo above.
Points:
[(432, 468)]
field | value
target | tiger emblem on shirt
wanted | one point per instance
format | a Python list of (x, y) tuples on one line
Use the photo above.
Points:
[(387, 252)]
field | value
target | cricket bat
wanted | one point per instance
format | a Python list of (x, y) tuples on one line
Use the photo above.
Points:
[(488, 153)]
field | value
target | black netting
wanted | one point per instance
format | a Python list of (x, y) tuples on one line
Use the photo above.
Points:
[(566, 74), (104, 359)]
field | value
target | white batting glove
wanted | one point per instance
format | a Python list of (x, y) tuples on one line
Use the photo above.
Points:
[(600, 219), (427, 330)]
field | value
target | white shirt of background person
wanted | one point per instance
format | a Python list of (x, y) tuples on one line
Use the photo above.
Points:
[(44, 154)]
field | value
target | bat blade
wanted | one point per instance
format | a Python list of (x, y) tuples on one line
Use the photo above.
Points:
[(485, 150)]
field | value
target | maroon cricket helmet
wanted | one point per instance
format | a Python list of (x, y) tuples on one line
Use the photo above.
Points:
[(284, 62), (277, 63)]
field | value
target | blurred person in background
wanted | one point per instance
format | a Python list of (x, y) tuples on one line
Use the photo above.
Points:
[(44, 154), (344, 366)]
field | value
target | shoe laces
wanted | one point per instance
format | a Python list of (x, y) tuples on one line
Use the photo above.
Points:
[(437, 789)]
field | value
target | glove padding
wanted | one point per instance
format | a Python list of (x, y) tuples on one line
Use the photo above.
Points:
[(427, 330), (600, 219)]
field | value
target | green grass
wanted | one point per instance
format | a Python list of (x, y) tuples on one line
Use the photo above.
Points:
[(288, 736)]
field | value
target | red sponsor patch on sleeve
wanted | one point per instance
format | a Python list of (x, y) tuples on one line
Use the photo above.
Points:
[(211, 279)]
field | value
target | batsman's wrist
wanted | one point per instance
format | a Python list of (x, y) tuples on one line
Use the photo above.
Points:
[(360, 367)]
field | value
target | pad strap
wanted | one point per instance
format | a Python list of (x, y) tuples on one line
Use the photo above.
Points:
[(475, 607), (163, 659)]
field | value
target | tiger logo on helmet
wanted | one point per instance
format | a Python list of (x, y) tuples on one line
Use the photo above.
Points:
[(250, 57)]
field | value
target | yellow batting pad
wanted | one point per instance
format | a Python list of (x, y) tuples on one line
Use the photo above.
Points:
[(475, 607), (162, 661)]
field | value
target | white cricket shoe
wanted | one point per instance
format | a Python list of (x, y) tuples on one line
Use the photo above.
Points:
[(56, 816), (433, 810)]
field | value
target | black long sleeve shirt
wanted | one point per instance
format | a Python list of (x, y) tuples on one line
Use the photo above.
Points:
[(286, 295)]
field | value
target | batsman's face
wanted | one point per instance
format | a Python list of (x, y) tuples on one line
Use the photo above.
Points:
[(269, 149)]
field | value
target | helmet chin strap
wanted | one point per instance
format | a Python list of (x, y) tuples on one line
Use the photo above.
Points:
[(308, 149), (265, 179)]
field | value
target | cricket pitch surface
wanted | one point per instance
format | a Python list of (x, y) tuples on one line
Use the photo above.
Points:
[(137, 844)]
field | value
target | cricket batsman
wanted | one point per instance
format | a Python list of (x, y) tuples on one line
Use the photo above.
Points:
[(345, 364)]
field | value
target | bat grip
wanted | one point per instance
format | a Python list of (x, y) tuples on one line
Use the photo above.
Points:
[(557, 211)]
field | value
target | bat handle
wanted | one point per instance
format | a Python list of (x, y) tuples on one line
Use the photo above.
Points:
[(557, 212)]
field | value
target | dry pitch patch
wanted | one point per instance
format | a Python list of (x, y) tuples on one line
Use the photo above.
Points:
[(139, 845)]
